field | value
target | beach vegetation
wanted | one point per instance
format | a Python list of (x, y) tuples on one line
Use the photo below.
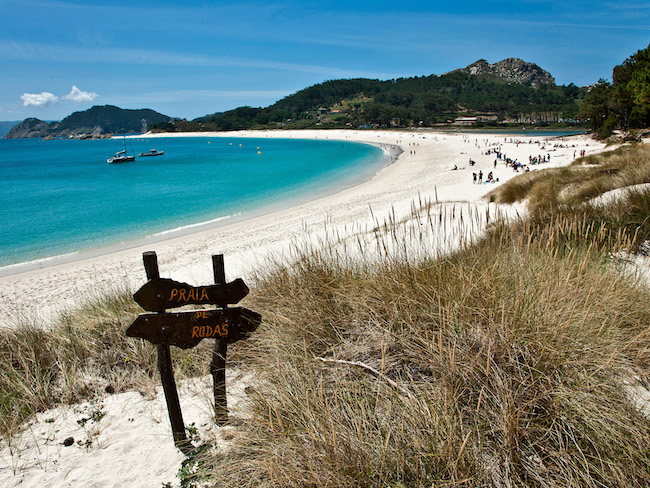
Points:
[(585, 179), (511, 362), (513, 359), (84, 355)]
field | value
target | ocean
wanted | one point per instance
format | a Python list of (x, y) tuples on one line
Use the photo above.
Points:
[(60, 197)]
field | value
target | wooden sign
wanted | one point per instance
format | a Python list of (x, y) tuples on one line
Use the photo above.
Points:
[(159, 294), (187, 329)]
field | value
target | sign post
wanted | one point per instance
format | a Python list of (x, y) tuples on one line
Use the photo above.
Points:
[(218, 363), (165, 368), (186, 329)]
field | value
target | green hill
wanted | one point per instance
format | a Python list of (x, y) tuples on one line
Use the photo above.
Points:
[(97, 121), (511, 90), (111, 119)]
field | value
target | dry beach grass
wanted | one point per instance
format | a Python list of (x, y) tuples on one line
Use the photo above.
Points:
[(503, 364), (84, 355), (585, 178)]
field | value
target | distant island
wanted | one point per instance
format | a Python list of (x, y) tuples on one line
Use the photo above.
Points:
[(96, 122), (510, 93)]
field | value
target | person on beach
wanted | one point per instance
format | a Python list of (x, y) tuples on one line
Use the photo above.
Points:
[(480, 176), (474, 178)]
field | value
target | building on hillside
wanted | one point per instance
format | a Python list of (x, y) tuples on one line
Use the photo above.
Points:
[(465, 120)]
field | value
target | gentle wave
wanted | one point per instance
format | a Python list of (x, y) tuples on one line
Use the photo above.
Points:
[(209, 223)]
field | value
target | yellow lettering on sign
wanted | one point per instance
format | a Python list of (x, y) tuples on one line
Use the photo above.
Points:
[(193, 294), (203, 331)]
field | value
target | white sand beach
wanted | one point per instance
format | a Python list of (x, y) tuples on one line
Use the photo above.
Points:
[(423, 171), (136, 429)]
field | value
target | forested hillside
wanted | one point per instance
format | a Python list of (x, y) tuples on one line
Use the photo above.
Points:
[(478, 90)]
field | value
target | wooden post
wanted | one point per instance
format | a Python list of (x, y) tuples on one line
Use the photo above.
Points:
[(166, 372), (218, 363)]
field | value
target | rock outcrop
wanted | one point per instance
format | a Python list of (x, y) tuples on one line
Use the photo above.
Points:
[(511, 70)]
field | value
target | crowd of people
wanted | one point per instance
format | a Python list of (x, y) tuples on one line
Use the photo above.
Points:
[(495, 148)]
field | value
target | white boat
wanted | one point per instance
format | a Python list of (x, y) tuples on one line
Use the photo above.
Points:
[(120, 157), (151, 152)]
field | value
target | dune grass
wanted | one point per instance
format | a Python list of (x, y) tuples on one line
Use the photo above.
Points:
[(85, 354), (503, 364), (507, 362), (584, 179)]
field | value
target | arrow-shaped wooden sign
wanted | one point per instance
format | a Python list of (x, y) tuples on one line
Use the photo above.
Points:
[(159, 294), (187, 329)]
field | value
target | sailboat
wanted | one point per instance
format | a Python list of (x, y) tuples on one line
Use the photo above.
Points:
[(121, 156)]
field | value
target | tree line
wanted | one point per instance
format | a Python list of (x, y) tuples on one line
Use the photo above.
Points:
[(625, 101), (430, 100), (403, 102)]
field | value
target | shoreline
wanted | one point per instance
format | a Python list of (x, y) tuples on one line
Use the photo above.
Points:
[(422, 170), (390, 154)]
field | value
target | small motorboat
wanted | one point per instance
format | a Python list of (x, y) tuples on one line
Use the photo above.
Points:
[(151, 152)]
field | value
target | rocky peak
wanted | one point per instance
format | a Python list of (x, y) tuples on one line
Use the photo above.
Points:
[(512, 70)]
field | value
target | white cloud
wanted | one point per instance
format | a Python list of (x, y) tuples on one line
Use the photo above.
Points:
[(40, 100), (76, 95)]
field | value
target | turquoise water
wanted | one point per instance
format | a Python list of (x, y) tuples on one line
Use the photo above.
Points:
[(59, 197)]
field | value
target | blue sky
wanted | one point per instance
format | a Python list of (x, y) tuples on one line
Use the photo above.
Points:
[(191, 58)]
